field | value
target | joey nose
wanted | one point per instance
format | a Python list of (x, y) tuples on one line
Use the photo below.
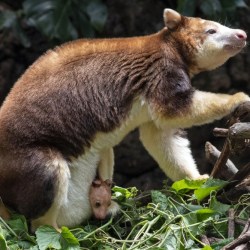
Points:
[(241, 35)]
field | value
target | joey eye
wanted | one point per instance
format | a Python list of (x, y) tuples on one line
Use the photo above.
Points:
[(97, 204), (211, 31)]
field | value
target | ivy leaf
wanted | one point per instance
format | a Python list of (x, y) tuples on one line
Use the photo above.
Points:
[(193, 220), (186, 185), (124, 193), (159, 198), (207, 248), (218, 206), (68, 240), (18, 224), (48, 237), (209, 186), (3, 244), (172, 237)]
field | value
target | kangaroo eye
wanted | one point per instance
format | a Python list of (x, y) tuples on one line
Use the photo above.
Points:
[(211, 31)]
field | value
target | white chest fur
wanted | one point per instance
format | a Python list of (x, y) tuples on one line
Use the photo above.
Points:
[(76, 207)]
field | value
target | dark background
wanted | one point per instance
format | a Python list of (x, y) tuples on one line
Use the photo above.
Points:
[(134, 167)]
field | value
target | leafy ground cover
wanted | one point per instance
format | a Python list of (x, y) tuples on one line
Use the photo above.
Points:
[(174, 218)]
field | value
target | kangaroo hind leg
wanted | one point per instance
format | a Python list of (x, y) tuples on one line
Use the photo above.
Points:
[(59, 167)]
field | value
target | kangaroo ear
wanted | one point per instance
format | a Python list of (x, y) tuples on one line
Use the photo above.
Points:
[(96, 183), (172, 18)]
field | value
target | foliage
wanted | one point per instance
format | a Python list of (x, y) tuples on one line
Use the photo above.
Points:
[(59, 20), (64, 20), (224, 9), (174, 219)]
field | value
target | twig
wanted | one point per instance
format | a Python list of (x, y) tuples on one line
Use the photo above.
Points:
[(239, 113), (212, 154), (239, 131), (231, 225), (225, 152), (205, 240), (243, 173), (240, 221), (220, 132), (244, 238)]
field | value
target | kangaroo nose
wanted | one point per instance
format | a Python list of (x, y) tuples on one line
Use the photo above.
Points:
[(241, 35)]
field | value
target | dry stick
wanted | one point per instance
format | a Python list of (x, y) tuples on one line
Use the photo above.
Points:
[(225, 152), (240, 112), (239, 185), (231, 225), (239, 131), (205, 240), (240, 221), (220, 132), (239, 176), (242, 239), (212, 154)]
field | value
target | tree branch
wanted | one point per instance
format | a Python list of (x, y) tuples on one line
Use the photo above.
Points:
[(212, 154)]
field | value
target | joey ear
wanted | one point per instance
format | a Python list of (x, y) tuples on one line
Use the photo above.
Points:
[(108, 182), (172, 18), (96, 183)]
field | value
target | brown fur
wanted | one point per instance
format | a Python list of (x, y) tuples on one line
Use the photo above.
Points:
[(100, 198), (59, 104)]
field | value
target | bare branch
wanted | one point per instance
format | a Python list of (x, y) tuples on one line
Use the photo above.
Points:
[(212, 154), (243, 239), (231, 224), (220, 132), (239, 131)]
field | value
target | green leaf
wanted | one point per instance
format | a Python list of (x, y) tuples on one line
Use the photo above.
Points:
[(209, 186), (7, 18), (172, 237), (194, 220), (159, 198), (218, 206), (18, 224), (3, 243), (68, 240), (51, 18), (20, 34), (207, 248), (204, 213), (48, 237), (82, 22), (34, 248), (13, 246), (186, 185), (219, 245), (98, 14), (124, 193)]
